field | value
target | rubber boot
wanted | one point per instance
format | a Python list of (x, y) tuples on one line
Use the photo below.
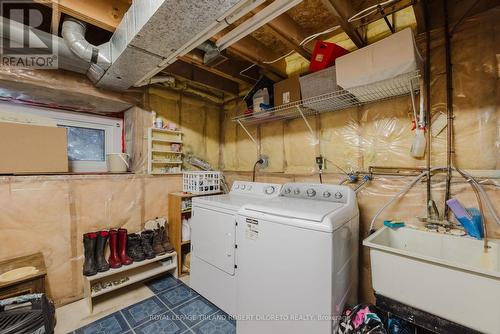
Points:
[(89, 243), (134, 247), (122, 247), (147, 244), (165, 242), (157, 247), (114, 259), (102, 238)]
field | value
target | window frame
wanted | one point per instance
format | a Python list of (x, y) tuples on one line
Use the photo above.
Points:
[(113, 130)]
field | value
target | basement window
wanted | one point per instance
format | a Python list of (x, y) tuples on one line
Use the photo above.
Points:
[(90, 137)]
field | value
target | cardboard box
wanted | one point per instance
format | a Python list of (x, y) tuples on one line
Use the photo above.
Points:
[(287, 91), (32, 149)]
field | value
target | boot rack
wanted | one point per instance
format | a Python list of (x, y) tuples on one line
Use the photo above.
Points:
[(127, 275)]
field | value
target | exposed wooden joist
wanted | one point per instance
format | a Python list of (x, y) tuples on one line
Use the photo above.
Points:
[(418, 9), (342, 10), (252, 50), (105, 14), (288, 31), (56, 18), (204, 77), (195, 58)]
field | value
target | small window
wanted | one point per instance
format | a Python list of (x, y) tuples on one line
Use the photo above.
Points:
[(90, 137)]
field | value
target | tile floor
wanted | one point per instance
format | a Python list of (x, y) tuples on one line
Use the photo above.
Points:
[(173, 309)]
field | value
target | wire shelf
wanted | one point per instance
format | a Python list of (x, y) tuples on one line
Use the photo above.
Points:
[(340, 99)]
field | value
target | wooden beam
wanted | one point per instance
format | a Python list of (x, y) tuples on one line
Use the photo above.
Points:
[(204, 77), (419, 10), (288, 31), (252, 50), (195, 58), (343, 10), (105, 14), (56, 18)]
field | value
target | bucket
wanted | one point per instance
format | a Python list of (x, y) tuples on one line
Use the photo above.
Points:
[(117, 162)]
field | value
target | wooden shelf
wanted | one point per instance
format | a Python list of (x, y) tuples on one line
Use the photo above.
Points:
[(136, 272), (135, 276), (166, 131), (167, 141)]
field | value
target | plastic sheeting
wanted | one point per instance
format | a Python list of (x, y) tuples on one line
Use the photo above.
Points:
[(50, 214), (198, 120), (62, 90), (380, 133)]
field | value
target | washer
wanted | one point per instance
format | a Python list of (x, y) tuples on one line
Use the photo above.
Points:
[(213, 244), (297, 260)]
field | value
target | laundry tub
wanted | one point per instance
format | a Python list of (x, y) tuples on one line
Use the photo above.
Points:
[(445, 275)]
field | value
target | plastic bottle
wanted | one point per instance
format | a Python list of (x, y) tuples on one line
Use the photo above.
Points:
[(419, 143), (260, 97)]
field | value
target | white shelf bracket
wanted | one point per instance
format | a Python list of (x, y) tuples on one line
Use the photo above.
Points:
[(249, 134), (305, 120)]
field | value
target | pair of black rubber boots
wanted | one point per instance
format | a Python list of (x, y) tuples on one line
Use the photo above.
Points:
[(140, 246)]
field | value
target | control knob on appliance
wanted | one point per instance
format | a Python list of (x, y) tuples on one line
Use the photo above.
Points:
[(236, 186), (296, 191), (327, 194), (311, 192), (243, 187), (269, 190), (288, 191), (338, 195), (249, 188)]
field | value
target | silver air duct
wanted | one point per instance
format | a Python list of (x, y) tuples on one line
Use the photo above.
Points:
[(99, 57)]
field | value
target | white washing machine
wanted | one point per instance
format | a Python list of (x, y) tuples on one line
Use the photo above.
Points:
[(213, 240), (297, 260)]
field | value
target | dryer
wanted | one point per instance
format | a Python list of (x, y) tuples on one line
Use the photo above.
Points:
[(213, 240), (297, 260)]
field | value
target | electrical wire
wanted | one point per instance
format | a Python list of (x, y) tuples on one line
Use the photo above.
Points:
[(303, 43), (371, 10), (260, 161)]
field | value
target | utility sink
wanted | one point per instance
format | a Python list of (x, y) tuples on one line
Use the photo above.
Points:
[(449, 276)]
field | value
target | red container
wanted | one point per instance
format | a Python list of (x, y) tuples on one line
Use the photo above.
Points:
[(324, 55)]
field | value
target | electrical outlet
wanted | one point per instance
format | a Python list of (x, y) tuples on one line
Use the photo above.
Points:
[(320, 161), (265, 161)]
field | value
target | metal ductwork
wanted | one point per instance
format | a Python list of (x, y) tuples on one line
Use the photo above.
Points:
[(98, 57), (213, 56)]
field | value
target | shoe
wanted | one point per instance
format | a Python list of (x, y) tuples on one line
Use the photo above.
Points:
[(165, 242), (89, 265), (157, 239), (101, 264), (147, 244), (134, 247), (114, 259), (122, 247)]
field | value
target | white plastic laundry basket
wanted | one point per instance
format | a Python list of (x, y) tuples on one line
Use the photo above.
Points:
[(201, 182)]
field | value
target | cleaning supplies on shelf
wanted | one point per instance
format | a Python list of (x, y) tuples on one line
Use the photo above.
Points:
[(261, 100), (470, 218)]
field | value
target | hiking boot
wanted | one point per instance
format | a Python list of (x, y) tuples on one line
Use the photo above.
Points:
[(157, 239), (89, 243), (122, 247), (114, 259), (134, 247), (165, 242), (101, 264), (147, 244)]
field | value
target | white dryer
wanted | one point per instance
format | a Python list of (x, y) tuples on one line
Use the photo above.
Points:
[(213, 240), (297, 260)]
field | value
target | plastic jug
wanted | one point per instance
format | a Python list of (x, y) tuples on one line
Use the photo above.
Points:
[(260, 97), (419, 143)]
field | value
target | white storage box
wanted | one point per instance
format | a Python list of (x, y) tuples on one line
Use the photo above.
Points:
[(201, 182), (391, 57), (318, 90)]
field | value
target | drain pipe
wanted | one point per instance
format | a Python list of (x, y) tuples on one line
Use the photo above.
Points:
[(449, 106), (99, 57)]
